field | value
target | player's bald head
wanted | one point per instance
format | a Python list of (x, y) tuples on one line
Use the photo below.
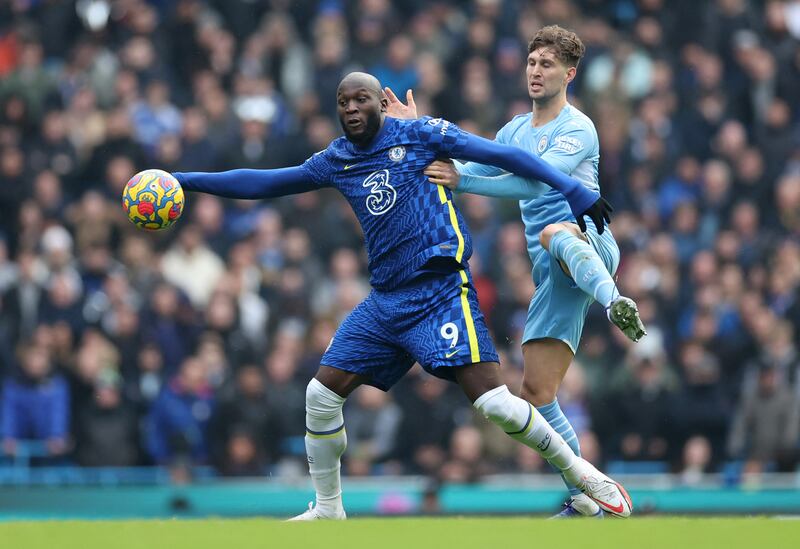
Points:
[(361, 106), (358, 80)]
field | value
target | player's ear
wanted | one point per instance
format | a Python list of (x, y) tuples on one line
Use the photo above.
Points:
[(384, 102), (571, 71)]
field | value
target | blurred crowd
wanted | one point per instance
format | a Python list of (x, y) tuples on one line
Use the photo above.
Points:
[(120, 347)]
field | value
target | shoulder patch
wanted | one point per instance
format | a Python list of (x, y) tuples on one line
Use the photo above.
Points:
[(568, 144)]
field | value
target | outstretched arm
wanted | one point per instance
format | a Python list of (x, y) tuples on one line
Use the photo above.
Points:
[(502, 186), (508, 185), (251, 184), (582, 201)]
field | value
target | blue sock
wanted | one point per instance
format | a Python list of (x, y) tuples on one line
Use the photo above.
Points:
[(558, 421), (587, 268)]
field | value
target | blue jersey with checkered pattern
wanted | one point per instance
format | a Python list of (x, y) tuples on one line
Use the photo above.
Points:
[(406, 220)]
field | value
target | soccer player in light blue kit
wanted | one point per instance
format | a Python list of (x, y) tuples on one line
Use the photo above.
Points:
[(573, 263), (423, 306)]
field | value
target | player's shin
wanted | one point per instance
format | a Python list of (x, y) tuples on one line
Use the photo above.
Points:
[(555, 417), (325, 441), (521, 422), (585, 265)]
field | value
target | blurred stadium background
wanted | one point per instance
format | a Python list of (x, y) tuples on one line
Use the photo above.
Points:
[(155, 375)]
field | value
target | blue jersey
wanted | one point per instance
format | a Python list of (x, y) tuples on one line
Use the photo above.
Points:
[(569, 143), (417, 311), (406, 220)]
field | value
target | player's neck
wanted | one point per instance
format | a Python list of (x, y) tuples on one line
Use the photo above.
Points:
[(548, 110)]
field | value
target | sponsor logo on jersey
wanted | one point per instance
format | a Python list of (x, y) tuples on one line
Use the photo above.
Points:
[(436, 121), (396, 154), (542, 144), (567, 144), (382, 195)]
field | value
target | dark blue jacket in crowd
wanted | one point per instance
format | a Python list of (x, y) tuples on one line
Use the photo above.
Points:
[(178, 423), (32, 410)]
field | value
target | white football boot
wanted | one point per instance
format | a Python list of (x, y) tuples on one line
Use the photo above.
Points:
[(313, 513), (579, 506), (607, 493), (624, 314)]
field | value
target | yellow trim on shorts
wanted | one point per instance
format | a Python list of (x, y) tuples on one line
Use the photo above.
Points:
[(471, 335), (453, 221)]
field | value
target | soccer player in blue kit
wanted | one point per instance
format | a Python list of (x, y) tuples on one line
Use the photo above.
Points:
[(423, 306), (573, 264)]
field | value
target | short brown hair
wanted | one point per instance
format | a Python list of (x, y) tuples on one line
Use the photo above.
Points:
[(566, 45)]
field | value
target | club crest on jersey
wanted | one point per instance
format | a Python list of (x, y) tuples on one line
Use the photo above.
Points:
[(382, 195), (542, 144), (396, 154)]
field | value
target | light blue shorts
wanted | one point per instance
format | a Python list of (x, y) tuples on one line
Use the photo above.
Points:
[(558, 307)]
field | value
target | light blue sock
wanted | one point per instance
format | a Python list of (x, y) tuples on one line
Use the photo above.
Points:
[(558, 421), (587, 268)]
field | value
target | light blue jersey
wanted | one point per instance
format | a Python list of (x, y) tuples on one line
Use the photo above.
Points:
[(570, 144)]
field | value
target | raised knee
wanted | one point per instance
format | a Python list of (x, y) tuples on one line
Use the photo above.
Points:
[(548, 233), (537, 394)]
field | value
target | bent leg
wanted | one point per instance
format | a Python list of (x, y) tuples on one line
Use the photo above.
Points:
[(580, 261), (590, 260), (519, 420), (482, 385)]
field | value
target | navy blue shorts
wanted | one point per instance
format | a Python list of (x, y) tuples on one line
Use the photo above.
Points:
[(433, 320)]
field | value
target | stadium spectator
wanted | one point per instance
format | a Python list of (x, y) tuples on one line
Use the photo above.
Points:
[(767, 422), (177, 424), (192, 255), (245, 429), (107, 429), (372, 423), (35, 404), (422, 439)]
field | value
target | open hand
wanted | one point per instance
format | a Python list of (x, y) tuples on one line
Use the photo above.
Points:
[(443, 172), (599, 212), (396, 108)]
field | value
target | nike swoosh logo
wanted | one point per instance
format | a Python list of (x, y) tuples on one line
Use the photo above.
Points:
[(448, 355), (348, 166), (617, 509), (614, 509)]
